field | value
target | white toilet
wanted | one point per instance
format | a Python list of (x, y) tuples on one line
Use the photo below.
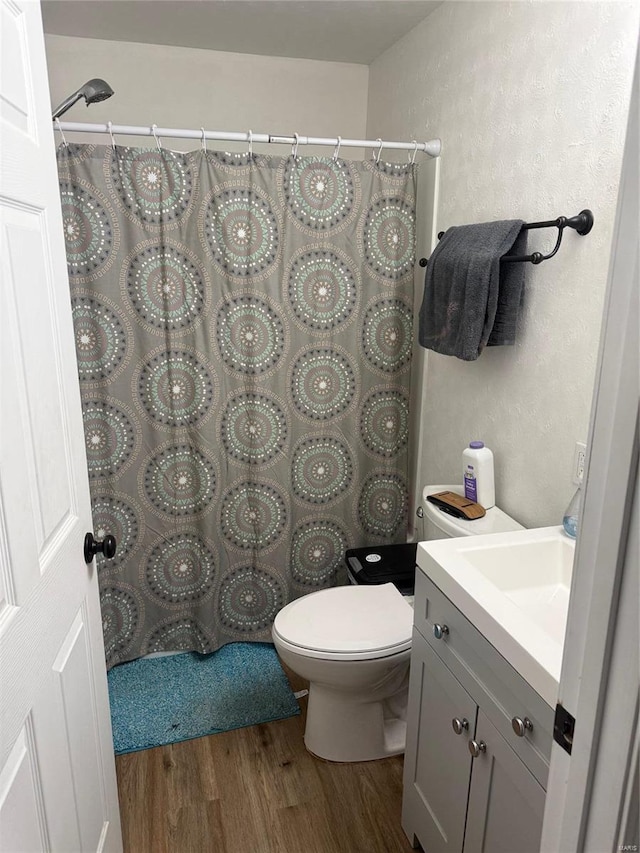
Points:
[(353, 645)]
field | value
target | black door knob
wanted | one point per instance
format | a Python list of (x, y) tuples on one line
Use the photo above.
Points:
[(106, 546)]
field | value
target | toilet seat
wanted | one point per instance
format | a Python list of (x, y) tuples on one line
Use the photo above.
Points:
[(347, 623)]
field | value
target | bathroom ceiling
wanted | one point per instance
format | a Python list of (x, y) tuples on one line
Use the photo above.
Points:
[(334, 30)]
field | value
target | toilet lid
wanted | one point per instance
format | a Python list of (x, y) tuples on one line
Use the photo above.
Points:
[(347, 620)]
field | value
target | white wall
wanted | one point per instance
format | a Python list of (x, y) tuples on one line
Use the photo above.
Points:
[(530, 100), (183, 87)]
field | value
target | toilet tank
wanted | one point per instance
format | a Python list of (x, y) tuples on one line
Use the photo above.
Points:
[(440, 525)]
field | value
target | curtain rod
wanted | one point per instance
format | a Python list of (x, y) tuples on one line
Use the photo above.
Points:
[(432, 148)]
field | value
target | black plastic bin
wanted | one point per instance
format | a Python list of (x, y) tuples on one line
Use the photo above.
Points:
[(384, 564)]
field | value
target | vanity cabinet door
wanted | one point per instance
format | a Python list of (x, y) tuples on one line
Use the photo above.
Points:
[(437, 760), (506, 803)]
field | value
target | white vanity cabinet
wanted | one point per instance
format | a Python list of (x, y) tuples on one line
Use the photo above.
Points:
[(478, 739)]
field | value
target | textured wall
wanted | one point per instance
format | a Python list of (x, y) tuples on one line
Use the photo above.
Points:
[(530, 100), (181, 87)]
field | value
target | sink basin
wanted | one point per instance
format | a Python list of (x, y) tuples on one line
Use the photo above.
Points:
[(514, 587), (535, 576)]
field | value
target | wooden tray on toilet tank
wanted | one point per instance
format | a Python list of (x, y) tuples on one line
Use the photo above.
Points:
[(457, 505)]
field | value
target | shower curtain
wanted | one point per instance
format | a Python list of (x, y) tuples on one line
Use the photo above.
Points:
[(243, 331)]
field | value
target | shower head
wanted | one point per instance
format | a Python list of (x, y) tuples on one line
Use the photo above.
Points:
[(93, 91)]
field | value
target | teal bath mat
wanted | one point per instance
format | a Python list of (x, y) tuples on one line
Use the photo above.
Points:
[(156, 701)]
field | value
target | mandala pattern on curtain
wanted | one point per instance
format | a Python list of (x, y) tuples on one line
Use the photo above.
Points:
[(244, 333)]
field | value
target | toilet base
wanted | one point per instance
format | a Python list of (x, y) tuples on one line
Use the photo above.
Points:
[(397, 735), (342, 728)]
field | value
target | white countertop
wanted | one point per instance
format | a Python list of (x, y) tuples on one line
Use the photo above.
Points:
[(514, 588)]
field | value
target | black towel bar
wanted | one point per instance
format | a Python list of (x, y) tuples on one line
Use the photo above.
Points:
[(582, 223)]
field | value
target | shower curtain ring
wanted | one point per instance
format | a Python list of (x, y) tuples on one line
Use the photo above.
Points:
[(250, 135), (204, 140), (113, 142), (155, 136), (412, 160), (379, 141), (59, 126), (294, 147), (336, 151)]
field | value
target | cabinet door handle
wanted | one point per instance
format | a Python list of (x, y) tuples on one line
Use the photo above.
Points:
[(476, 748), (440, 631), (520, 726), (460, 725)]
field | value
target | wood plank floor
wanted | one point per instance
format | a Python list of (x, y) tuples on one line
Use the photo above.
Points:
[(257, 790)]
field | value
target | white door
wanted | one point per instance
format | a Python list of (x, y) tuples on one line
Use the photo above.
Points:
[(57, 770), (591, 799)]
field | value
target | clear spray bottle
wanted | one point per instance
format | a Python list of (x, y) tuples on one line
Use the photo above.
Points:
[(572, 514)]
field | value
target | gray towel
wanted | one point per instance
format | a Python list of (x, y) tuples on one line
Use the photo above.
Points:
[(470, 298)]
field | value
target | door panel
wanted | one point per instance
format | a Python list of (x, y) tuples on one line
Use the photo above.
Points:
[(57, 768), (21, 798), (15, 72), (74, 684), (30, 329)]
